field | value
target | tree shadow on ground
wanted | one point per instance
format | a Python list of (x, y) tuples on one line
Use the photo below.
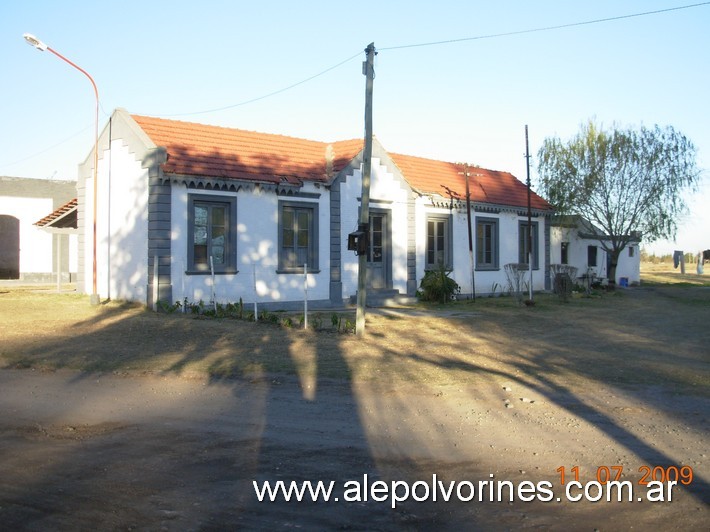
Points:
[(179, 448), (281, 404), (568, 371)]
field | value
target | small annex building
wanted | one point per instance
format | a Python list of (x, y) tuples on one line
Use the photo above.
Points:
[(38, 243), (579, 243)]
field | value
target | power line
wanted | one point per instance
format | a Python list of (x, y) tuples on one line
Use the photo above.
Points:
[(449, 41), (434, 43), (37, 154), (545, 28), (274, 93)]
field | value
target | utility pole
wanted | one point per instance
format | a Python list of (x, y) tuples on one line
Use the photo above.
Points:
[(466, 173), (368, 69), (530, 238)]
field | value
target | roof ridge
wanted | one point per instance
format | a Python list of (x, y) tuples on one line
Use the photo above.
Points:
[(229, 128), (442, 161)]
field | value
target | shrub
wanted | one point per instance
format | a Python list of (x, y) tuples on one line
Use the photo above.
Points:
[(438, 286)]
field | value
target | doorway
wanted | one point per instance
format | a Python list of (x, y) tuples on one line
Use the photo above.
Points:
[(379, 252)]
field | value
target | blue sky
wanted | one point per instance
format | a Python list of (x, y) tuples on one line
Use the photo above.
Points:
[(467, 100)]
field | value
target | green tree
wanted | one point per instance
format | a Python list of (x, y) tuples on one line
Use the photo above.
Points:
[(625, 181)]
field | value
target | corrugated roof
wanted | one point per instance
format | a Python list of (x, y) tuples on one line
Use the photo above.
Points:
[(213, 151)]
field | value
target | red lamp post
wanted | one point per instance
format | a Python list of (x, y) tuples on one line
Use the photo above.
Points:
[(34, 41)]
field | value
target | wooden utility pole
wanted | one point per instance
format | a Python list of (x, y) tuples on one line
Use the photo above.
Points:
[(530, 238), (368, 69), (470, 233)]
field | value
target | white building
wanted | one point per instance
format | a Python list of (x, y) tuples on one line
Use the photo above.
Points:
[(188, 210), (29, 252), (577, 242)]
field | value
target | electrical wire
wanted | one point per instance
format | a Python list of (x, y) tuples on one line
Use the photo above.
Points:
[(449, 41), (37, 154), (400, 47), (544, 28), (274, 93)]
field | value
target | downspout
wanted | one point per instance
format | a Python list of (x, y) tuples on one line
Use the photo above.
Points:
[(108, 209)]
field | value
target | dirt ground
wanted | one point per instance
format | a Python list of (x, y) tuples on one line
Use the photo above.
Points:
[(114, 418)]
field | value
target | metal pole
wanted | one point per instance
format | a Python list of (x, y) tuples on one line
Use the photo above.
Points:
[(34, 41), (530, 238), (470, 234), (95, 300), (369, 71)]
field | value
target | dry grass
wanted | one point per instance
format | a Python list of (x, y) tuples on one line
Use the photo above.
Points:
[(654, 336), (665, 274)]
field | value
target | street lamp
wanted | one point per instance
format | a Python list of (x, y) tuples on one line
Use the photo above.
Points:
[(34, 41)]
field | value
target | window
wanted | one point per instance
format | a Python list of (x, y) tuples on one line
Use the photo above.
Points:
[(212, 233), (298, 236), (631, 251), (564, 253), (591, 256), (487, 243), (438, 243), (376, 247), (524, 241)]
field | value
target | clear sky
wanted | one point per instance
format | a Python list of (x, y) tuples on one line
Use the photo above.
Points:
[(226, 63)]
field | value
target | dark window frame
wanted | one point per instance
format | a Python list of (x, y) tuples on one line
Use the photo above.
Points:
[(523, 243), (443, 229), (229, 203), (494, 264), (294, 209)]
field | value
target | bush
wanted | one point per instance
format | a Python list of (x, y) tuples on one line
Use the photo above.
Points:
[(438, 286)]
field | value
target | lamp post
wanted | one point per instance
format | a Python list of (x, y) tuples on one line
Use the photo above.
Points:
[(34, 41)]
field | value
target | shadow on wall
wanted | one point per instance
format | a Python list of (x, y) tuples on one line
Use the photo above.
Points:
[(129, 275)]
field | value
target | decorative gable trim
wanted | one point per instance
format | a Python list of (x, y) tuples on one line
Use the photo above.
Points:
[(460, 205), (232, 185)]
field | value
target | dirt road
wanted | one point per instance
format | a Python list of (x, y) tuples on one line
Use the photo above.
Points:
[(84, 452), (173, 419)]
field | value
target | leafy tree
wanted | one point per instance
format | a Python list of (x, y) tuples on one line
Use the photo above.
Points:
[(624, 181)]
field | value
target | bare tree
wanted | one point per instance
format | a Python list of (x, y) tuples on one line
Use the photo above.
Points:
[(627, 182), (515, 273)]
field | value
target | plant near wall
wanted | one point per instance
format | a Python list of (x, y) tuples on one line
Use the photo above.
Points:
[(438, 287)]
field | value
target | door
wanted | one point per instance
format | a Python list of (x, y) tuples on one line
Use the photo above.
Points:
[(378, 252), (9, 247)]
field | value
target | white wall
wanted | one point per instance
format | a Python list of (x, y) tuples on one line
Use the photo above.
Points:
[(393, 195), (486, 281), (629, 267), (121, 225), (257, 243), (385, 186), (35, 244)]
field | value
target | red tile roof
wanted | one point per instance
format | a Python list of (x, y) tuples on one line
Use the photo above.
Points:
[(64, 216), (202, 150), (486, 186)]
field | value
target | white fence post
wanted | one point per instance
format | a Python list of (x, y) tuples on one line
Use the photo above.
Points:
[(214, 301), (256, 315), (305, 297), (155, 283)]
